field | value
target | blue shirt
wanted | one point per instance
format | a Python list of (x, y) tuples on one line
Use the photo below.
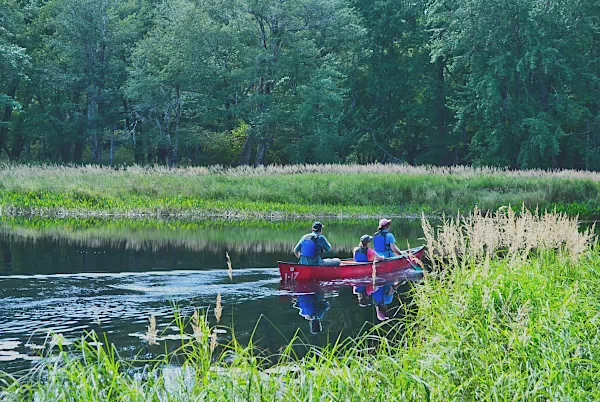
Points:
[(312, 306), (321, 242), (383, 295), (389, 239)]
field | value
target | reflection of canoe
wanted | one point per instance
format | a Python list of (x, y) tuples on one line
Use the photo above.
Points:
[(348, 269), (331, 285)]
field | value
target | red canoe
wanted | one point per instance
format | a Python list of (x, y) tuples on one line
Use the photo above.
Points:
[(348, 269)]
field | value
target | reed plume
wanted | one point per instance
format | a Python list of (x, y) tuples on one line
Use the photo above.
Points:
[(152, 332), (229, 269), (218, 308)]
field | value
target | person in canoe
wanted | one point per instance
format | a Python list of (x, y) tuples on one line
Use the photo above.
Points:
[(384, 241), (310, 248), (363, 253)]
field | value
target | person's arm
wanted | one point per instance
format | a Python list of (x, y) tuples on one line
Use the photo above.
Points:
[(297, 249), (392, 241), (325, 244), (372, 254), (395, 249)]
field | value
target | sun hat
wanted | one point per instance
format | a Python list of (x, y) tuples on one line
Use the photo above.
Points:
[(384, 222)]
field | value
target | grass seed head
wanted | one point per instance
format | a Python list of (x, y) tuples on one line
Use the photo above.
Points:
[(152, 332), (229, 269), (218, 308)]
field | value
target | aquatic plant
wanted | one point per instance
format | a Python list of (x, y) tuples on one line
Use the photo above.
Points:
[(495, 320)]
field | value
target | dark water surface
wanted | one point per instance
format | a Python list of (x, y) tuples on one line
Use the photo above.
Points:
[(69, 277)]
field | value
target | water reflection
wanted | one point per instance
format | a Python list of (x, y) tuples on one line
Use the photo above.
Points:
[(33, 246), (107, 276), (312, 307), (310, 298)]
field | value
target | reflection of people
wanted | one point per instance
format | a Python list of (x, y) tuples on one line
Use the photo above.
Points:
[(364, 299), (384, 241), (363, 253), (381, 298), (312, 307), (309, 249)]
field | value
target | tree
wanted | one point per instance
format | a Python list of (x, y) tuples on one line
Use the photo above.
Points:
[(14, 65)]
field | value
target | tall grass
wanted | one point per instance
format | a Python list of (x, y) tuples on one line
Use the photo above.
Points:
[(290, 191), (495, 320)]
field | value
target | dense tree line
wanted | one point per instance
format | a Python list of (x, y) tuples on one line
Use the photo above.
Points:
[(496, 82)]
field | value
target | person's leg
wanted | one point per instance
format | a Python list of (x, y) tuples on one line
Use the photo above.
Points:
[(331, 262)]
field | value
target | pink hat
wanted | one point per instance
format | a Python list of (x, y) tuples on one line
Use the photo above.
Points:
[(384, 222), (381, 315)]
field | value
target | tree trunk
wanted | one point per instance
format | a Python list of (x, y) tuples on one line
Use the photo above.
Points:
[(441, 111), (139, 144), (246, 151), (175, 149), (91, 122), (65, 151), (6, 116), (18, 141), (112, 144), (261, 150)]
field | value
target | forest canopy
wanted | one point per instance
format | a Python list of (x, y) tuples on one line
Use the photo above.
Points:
[(511, 83)]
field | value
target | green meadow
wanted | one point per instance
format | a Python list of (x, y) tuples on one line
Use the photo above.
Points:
[(290, 192)]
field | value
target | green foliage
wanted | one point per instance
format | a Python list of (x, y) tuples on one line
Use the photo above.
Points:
[(340, 81)]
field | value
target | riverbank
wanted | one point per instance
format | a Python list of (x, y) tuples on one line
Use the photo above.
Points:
[(319, 191), (518, 324)]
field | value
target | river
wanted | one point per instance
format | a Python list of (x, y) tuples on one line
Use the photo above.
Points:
[(73, 276)]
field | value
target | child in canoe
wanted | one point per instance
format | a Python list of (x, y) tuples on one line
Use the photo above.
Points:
[(363, 253)]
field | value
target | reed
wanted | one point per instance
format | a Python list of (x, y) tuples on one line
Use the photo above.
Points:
[(495, 320), (289, 191)]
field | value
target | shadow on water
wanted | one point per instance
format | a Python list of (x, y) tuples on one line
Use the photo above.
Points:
[(72, 276)]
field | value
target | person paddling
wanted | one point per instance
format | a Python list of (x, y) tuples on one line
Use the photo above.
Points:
[(384, 241), (310, 248), (363, 253)]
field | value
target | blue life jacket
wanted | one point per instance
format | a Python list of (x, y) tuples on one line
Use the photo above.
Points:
[(310, 248), (380, 242), (361, 255)]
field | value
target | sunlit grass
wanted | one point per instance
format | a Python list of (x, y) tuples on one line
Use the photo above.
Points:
[(494, 320), (289, 191)]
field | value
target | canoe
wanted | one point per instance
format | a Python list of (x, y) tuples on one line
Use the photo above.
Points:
[(291, 271)]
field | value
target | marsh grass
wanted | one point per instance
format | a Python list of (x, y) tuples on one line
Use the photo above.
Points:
[(504, 233), (495, 320), (298, 191)]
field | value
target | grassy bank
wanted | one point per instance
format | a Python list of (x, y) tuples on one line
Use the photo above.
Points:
[(497, 318), (289, 192)]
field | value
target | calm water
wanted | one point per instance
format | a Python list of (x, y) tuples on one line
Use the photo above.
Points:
[(72, 276)]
